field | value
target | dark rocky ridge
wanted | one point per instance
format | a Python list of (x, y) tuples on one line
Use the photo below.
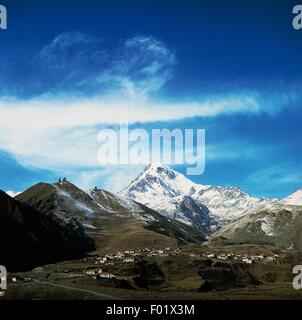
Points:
[(30, 238), (102, 210)]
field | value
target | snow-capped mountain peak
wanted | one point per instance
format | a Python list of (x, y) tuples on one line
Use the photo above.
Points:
[(169, 192), (294, 199), (166, 190), (160, 178)]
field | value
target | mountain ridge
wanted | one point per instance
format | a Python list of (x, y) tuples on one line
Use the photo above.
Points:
[(294, 199), (105, 216), (165, 189), (275, 224)]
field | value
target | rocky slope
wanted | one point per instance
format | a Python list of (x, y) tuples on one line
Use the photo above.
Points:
[(111, 220), (275, 224), (29, 238)]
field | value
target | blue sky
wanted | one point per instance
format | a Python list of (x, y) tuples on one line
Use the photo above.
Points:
[(231, 67)]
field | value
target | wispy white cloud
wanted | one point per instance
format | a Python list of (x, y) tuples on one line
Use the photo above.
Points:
[(79, 63), (52, 113), (63, 133)]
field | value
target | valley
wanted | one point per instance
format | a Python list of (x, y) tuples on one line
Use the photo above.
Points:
[(162, 237), (189, 272)]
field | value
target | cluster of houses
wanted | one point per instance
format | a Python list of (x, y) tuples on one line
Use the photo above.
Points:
[(97, 273), (129, 256), (246, 258), (124, 257)]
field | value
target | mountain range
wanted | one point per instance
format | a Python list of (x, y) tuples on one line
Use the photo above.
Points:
[(93, 208), (160, 208), (226, 214), (52, 222), (205, 207)]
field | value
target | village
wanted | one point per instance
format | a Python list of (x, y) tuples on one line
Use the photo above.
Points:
[(105, 266), (124, 257), (131, 256), (245, 258)]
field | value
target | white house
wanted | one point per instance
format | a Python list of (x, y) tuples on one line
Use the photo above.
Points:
[(93, 272), (129, 260), (106, 275), (246, 260)]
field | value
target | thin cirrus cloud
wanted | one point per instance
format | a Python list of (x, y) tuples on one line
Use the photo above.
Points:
[(52, 134), (78, 86), (81, 63)]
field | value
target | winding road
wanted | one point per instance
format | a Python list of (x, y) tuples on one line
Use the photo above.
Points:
[(98, 294)]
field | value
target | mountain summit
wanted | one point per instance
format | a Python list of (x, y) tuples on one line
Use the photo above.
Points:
[(294, 199), (162, 179), (174, 195), (169, 192)]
